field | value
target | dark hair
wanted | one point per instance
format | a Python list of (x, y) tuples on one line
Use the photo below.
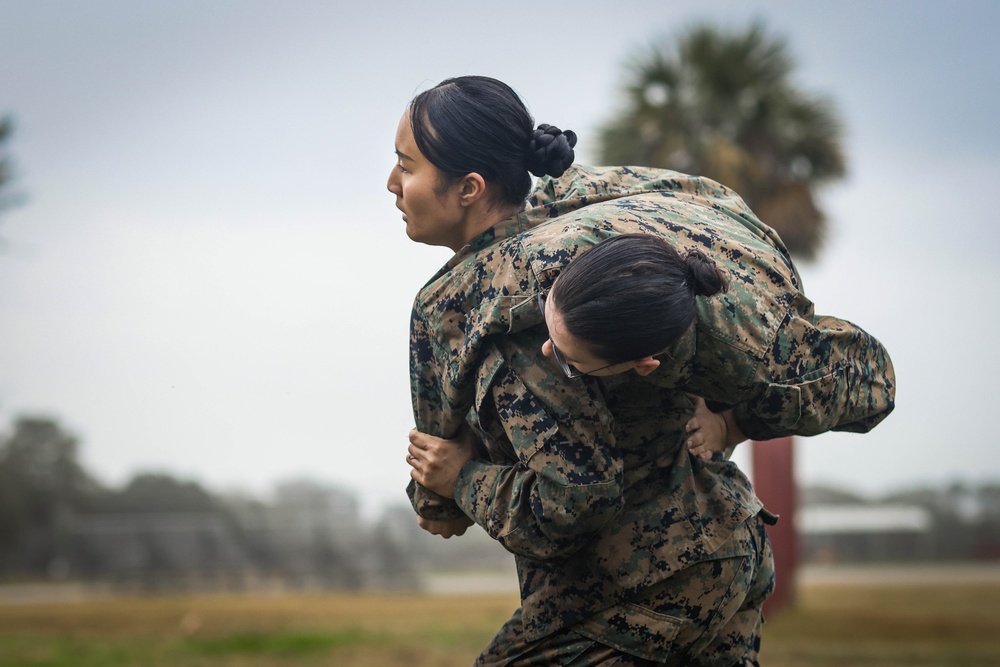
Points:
[(478, 124), (632, 295)]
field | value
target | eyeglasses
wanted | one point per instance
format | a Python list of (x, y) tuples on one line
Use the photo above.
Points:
[(569, 370)]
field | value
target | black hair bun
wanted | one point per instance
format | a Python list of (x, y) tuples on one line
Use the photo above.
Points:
[(703, 275), (550, 151)]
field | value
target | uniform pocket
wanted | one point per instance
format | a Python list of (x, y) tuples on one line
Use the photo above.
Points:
[(804, 405), (490, 364), (681, 616)]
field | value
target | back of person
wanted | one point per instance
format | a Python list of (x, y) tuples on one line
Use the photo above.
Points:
[(760, 341)]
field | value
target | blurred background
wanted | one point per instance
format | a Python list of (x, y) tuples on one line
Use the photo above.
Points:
[(205, 287)]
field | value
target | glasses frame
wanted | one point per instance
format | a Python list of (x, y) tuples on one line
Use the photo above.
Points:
[(569, 370)]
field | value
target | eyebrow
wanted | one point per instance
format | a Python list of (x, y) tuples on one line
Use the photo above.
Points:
[(403, 155), (569, 360), (544, 298)]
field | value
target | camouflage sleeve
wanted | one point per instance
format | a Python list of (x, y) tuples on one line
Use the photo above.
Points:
[(429, 414), (819, 374), (430, 505), (561, 478)]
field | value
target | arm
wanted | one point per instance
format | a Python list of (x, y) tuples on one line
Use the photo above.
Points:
[(561, 479), (819, 374), (430, 414), (436, 463)]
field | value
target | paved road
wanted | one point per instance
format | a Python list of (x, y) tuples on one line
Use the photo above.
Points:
[(890, 574), (502, 581)]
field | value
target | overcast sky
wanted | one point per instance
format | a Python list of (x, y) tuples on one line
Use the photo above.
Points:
[(207, 276)]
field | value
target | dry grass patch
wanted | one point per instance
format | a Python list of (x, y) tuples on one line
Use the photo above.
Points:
[(833, 625)]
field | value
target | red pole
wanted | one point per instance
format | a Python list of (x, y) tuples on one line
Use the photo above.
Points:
[(774, 482)]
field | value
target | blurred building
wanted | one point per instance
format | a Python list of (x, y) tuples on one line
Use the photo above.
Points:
[(309, 537), (851, 533), (153, 550)]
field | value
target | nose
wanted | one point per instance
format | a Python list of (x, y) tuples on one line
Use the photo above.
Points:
[(392, 185), (547, 347)]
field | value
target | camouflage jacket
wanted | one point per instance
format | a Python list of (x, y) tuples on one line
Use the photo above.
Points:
[(586, 480)]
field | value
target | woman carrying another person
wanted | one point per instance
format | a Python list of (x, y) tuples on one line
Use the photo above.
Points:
[(627, 547)]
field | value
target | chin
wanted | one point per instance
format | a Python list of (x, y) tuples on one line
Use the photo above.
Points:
[(412, 234), (415, 236)]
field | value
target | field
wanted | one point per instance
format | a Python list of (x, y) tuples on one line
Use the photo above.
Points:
[(879, 623)]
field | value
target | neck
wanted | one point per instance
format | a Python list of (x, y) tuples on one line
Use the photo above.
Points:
[(482, 217), (502, 213)]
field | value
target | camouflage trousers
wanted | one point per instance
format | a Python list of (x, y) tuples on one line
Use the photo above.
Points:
[(706, 615)]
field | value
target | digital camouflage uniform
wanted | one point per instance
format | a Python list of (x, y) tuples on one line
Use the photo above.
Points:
[(620, 536)]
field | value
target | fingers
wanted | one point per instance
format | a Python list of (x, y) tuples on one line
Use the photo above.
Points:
[(413, 455), (703, 453), (418, 439), (465, 436), (695, 441), (697, 446), (416, 465), (425, 449)]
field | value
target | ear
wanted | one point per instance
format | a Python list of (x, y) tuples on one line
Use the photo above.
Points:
[(471, 189), (646, 365)]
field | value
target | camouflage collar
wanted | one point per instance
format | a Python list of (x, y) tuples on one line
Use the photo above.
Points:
[(504, 229)]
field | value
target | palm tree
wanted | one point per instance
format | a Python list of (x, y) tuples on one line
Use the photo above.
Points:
[(6, 127), (722, 105), (7, 198)]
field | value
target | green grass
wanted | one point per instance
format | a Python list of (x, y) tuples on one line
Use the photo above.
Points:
[(883, 626), (263, 631), (286, 644)]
